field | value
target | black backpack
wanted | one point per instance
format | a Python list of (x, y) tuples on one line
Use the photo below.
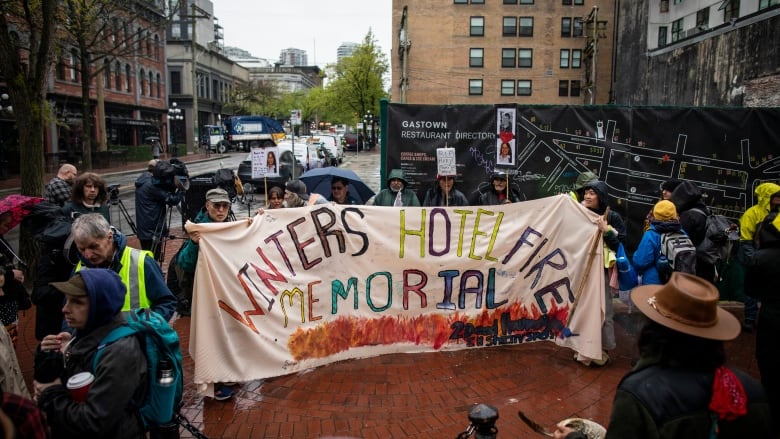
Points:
[(719, 235), (679, 251)]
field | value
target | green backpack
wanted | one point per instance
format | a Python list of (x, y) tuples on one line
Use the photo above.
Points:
[(160, 342)]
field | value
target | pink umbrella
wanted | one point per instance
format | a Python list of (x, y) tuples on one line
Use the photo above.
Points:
[(19, 206)]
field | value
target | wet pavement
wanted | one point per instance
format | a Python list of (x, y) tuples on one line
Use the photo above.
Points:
[(412, 395)]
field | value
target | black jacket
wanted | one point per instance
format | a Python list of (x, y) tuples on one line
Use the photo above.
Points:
[(687, 198), (663, 402)]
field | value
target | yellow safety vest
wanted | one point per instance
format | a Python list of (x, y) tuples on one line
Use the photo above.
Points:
[(132, 275)]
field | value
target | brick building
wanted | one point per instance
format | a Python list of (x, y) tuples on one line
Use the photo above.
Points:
[(509, 51), (132, 84)]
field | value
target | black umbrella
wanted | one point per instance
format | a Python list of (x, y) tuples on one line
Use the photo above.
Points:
[(318, 181)]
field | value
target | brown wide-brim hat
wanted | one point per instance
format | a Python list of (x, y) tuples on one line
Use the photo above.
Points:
[(687, 304)]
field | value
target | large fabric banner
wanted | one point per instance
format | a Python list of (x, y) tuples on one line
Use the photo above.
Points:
[(304, 287)]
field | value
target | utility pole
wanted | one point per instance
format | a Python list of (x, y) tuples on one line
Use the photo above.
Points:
[(404, 44)]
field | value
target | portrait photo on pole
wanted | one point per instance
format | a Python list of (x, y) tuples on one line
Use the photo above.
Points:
[(265, 162), (505, 143)]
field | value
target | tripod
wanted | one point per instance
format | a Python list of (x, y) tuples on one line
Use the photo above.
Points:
[(114, 200)]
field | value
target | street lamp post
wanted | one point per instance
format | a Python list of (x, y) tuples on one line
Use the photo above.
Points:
[(368, 120), (5, 106), (174, 118)]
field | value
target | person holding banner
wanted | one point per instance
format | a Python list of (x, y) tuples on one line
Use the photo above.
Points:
[(595, 197), (339, 191), (444, 194), (395, 194), (275, 198), (296, 195), (499, 191)]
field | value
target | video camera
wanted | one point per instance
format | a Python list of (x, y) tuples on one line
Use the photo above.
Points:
[(113, 191), (171, 175)]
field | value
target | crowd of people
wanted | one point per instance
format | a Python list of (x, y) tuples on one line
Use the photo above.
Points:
[(681, 385)]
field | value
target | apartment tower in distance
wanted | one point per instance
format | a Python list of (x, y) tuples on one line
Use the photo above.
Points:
[(502, 51)]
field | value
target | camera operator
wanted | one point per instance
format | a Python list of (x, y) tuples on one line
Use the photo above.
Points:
[(155, 190)]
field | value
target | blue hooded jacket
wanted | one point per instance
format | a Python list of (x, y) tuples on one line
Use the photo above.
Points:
[(106, 294)]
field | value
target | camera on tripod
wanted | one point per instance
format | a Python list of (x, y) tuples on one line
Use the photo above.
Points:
[(171, 175), (113, 192)]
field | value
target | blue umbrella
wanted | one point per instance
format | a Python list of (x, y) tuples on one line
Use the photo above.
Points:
[(317, 180)]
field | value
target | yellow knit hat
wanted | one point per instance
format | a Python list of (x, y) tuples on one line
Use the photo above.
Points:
[(664, 210)]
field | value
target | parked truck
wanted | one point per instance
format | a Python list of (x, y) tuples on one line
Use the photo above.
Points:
[(247, 132)]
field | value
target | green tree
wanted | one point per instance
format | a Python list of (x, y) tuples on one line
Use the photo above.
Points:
[(256, 97), (358, 80)]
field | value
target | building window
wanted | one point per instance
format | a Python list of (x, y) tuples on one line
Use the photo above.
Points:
[(509, 28), (106, 74), (60, 69), (526, 2), (524, 87), (118, 75), (159, 86), (575, 88), (477, 2), (763, 4), (128, 85), (510, 2), (507, 87), (156, 47), (74, 62), (476, 57), (566, 2), (151, 84), (564, 64), (142, 84), (508, 57), (477, 26), (475, 87), (677, 30), (732, 10), (461, 2), (175, 83), (525, 58), (563, 88), (579, 2), (576, 58), (662, 31), (577, 30), (526, 26), (677, 2), (703, 19), (566, 27)]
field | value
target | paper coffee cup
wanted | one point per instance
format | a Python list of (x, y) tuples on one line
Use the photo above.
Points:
[(79, 385)]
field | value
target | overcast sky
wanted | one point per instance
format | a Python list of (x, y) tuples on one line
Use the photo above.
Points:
[(265, 27)]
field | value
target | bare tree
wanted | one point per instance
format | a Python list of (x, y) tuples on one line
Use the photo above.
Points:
[(98, 31), (27, 29)]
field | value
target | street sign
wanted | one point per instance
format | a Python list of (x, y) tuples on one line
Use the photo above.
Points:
[(295, 117)]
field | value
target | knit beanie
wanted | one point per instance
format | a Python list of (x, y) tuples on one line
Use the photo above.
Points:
[(670, 185), (664, 210)]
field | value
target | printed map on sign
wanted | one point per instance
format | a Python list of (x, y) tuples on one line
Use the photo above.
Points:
[(301, 288), (727, 152)]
